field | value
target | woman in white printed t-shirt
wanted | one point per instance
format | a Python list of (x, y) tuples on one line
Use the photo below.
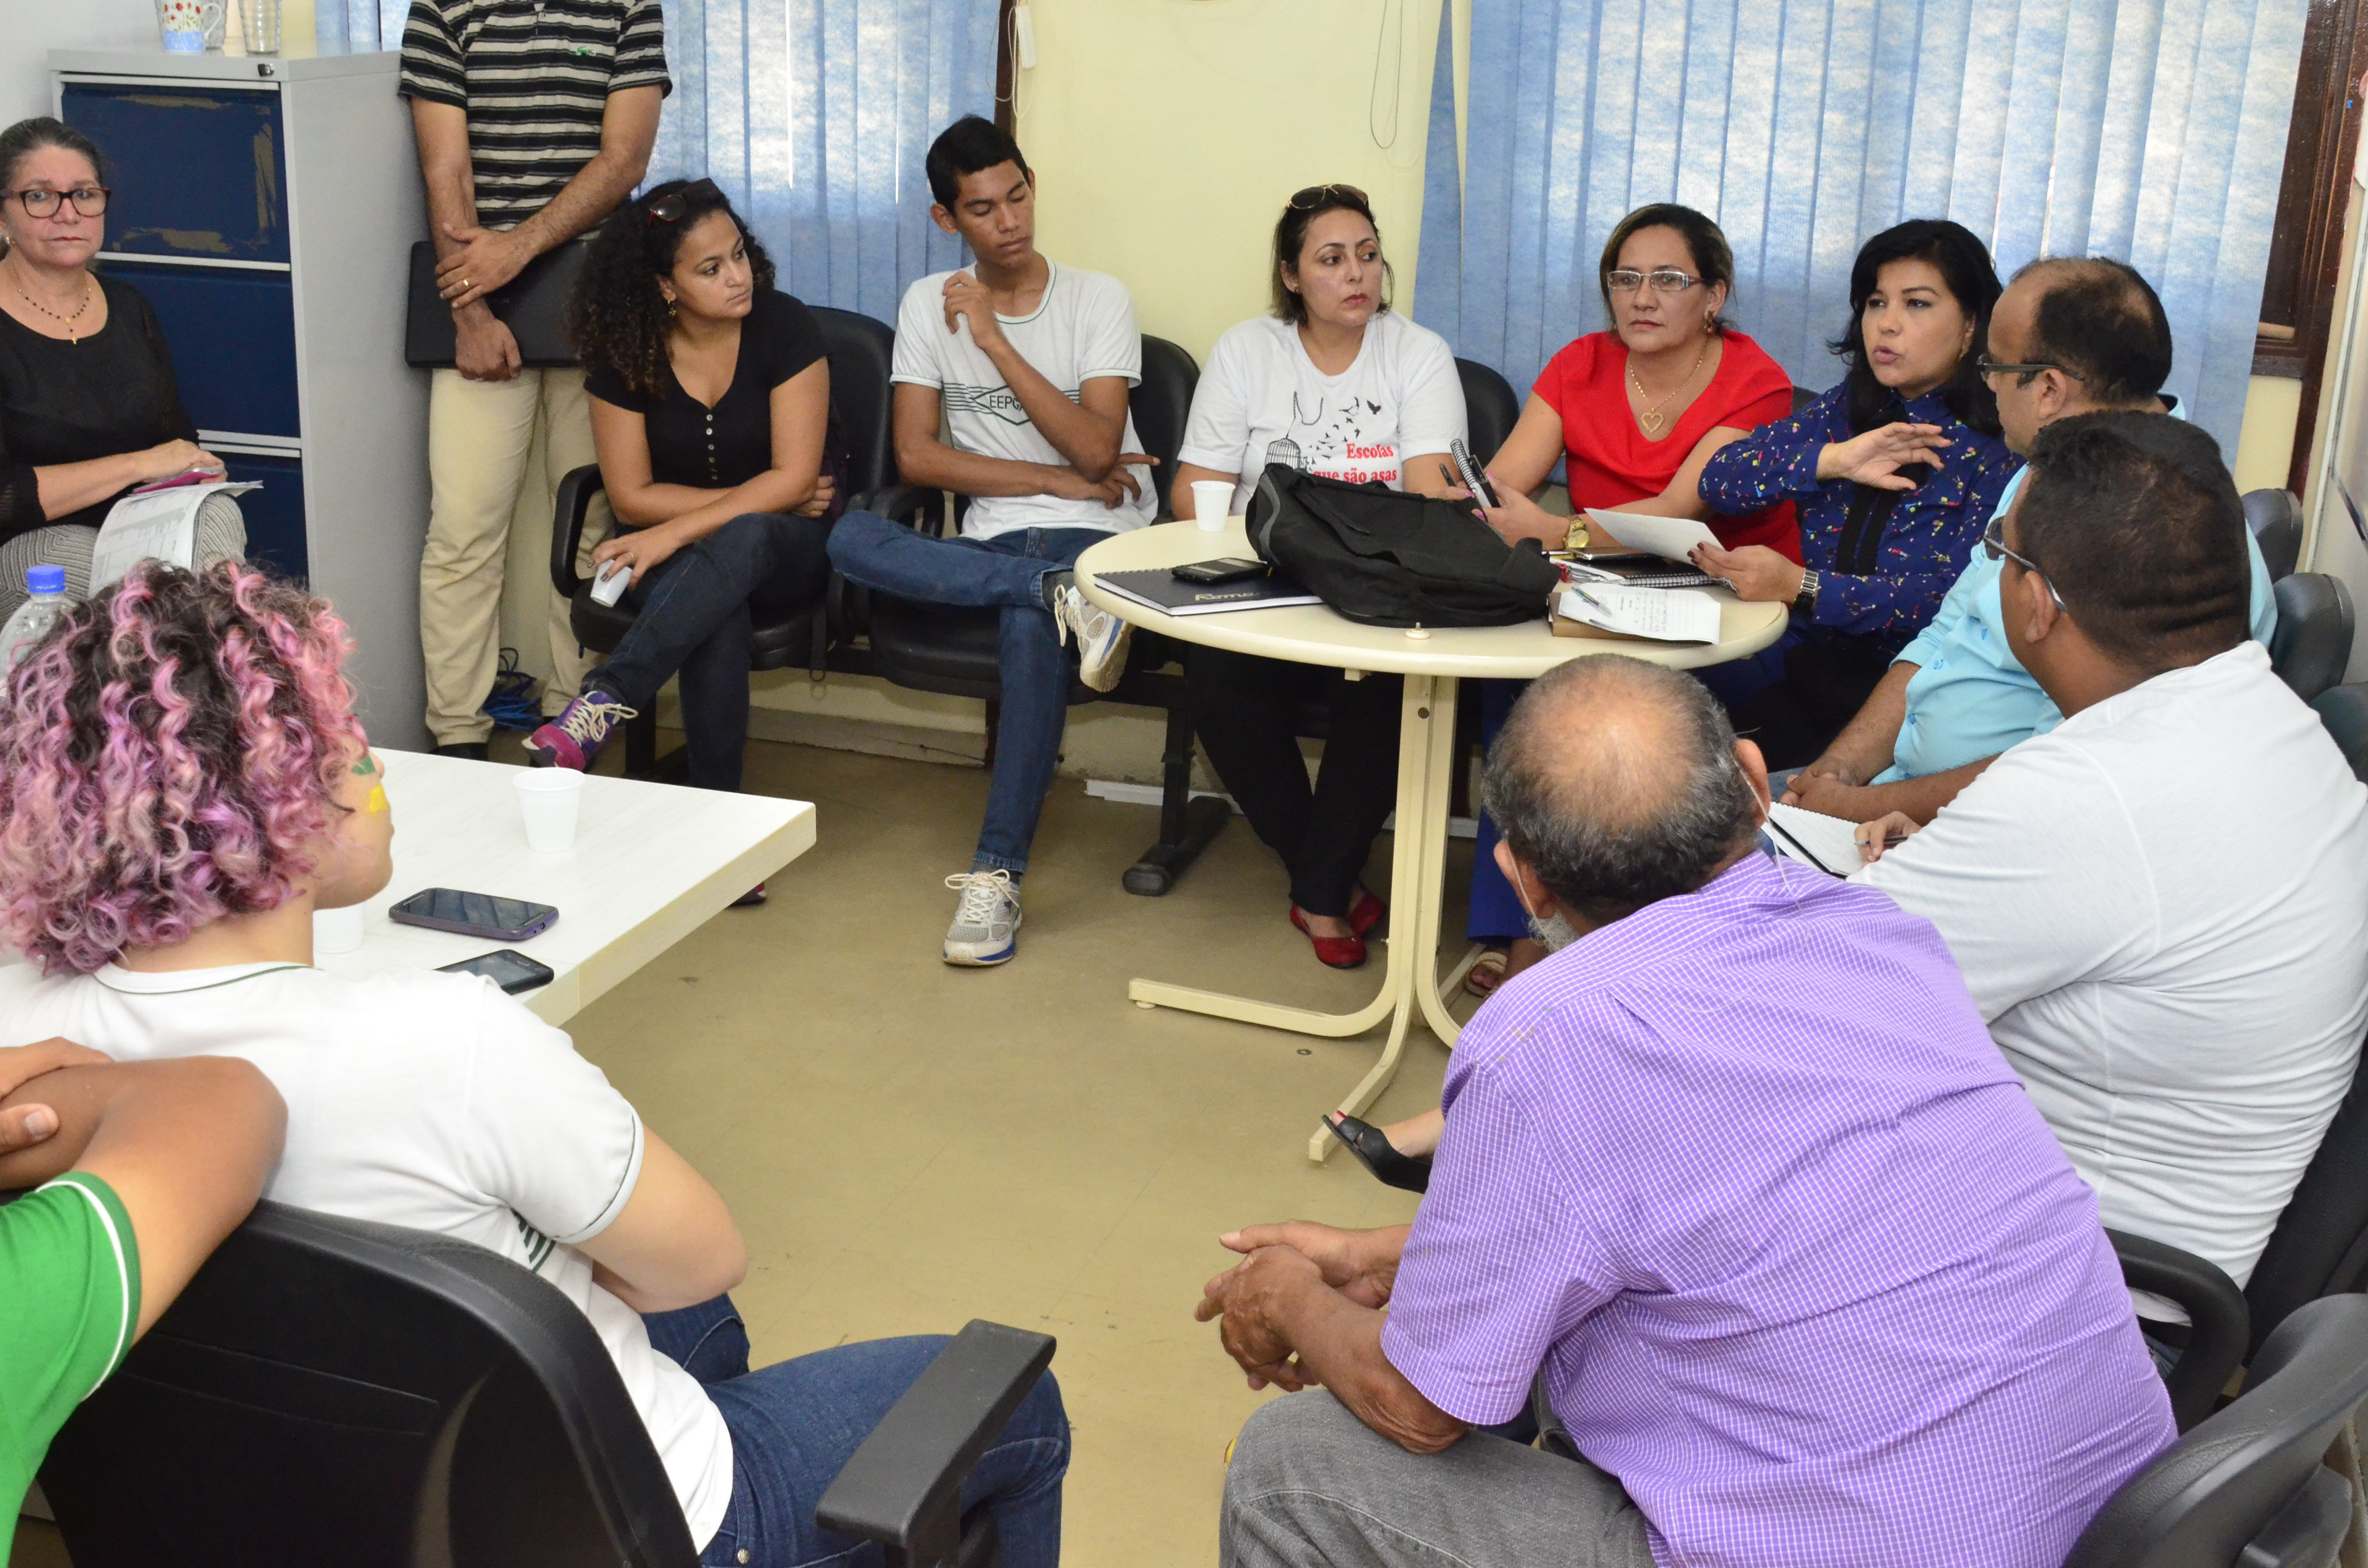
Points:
[(1364, 394)]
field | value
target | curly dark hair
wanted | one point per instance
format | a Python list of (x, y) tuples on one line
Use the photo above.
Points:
[(616, 315)]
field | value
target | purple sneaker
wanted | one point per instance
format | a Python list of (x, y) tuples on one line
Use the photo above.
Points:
[(576, 737)]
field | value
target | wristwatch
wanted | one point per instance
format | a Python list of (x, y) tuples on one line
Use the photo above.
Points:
[(1805, 601), (1573, 538)]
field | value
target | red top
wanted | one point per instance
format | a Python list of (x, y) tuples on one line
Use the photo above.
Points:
[(1611, 463)]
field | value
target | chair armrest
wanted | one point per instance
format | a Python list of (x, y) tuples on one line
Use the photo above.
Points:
[(901, 1487), (917, 507), (569, 509), (2219, 1321)]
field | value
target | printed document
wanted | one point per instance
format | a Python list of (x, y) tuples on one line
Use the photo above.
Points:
[(1673, 537), (159, 525)]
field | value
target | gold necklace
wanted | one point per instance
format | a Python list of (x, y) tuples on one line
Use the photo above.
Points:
[(72, 337), (1650, 418)]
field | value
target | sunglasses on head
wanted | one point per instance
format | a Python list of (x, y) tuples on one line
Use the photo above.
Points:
[(669, 208), (1318, 194)]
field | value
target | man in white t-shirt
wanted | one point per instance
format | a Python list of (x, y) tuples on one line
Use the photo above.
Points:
[(1028, 365), (418, 1098), (2161, 905)]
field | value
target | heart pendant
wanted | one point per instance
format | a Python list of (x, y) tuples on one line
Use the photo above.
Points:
[(1651, 422)]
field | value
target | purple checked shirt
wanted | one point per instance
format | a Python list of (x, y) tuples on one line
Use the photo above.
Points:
[(1804, 1268)]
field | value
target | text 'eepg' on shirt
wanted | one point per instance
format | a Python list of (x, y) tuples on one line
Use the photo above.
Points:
[(2161, 906), (1400, 398), (534, 77), (69, 1304), (424, 1099), (1083, 329)]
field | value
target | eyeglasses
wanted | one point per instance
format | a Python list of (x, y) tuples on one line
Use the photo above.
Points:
[(1989, 367), (39, 200), (1664, 280), (1318, 194), (1994, 546), (669, 208)]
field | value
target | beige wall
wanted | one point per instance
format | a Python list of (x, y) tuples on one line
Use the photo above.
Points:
[(2265, 448), (1165, 135)]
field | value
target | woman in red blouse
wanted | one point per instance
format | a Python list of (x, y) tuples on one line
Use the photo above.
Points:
[(1634, 413)]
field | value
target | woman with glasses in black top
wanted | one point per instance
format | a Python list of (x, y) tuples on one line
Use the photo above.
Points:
[(88, 406), (710, 415)]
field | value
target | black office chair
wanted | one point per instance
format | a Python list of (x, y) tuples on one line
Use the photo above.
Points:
[(329, 1388), (2218, 1320), (2344, 711), (2248, 1486), (1490, 409), (2313, 640), (1802, 397), (2275, 518), (2319, 1247), (859, 349)]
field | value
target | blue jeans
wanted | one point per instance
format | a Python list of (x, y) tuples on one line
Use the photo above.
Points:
[(795, 1423), (695, 614), (1006, 572)]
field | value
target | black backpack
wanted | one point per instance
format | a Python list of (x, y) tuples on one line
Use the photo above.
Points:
[(1389, 558)]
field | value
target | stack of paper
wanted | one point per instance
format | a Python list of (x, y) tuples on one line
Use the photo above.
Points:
[(1659, 615)]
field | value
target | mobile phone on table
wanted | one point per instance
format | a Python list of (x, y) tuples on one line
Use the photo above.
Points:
[(1232, 569), (1469, 471), (474, 914), (513, 972)]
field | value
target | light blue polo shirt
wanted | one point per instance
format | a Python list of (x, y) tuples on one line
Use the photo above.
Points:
[(1970, 696)]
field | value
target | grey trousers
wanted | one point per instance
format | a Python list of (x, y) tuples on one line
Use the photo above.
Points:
[(1312, 1486), (222, 535)]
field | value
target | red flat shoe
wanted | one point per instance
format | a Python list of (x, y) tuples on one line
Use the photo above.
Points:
[(1338, 952), (1367, 914)]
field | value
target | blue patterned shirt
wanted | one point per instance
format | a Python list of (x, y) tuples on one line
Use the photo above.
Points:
[(1891, 595)]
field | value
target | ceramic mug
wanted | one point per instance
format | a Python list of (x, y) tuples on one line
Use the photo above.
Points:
[(190, 27)]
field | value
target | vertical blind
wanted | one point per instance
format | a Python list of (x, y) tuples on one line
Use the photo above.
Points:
[(812, 114), (2152, 130)]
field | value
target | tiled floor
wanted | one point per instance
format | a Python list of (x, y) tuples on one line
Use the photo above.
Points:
[(907, 1146)]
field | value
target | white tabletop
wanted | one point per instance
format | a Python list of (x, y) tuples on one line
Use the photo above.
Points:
[(1316, 634), (652, 863)]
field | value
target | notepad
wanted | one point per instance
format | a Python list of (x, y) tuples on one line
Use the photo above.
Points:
[(1676, 538), (1656, 615), (1830, 844)]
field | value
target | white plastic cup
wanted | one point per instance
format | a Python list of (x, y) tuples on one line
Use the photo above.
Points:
[(1212, 503), (548, 797), (337, 930)]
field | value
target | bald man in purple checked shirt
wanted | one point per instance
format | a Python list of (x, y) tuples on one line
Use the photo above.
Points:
[(1739, 1169)]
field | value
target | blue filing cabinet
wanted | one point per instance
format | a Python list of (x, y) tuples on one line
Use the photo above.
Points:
[(266, 206)]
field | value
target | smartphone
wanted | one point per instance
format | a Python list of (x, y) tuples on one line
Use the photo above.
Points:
[(1469, 471), (513, 972), (474, 914), (1232, 569)]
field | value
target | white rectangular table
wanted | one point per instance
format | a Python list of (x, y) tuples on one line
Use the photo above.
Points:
[(652, 863)]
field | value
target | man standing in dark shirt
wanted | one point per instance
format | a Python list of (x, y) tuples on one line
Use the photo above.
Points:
[(534, 118)]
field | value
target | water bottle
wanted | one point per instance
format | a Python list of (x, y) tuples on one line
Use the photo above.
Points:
[(33, 619), (1286, 451)]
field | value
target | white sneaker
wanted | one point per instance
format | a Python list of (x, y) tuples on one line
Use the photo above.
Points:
[(986, 922), (1101, 639)]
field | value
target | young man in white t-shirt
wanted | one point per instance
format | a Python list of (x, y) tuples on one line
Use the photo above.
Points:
[(416, 1098), (2162, 904), (1028, 363)]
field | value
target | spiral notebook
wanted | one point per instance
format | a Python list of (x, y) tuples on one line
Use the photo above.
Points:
[(1163, 590)]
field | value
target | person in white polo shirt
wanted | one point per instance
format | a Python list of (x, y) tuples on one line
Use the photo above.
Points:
[(1028, 364), (2162, 904), (164, 902)]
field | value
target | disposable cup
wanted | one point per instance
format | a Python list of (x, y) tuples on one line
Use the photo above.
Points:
[(549, 797), (337, 930), (1212, 503)]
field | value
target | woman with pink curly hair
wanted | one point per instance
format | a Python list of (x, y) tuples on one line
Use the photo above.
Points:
[(182, 784)]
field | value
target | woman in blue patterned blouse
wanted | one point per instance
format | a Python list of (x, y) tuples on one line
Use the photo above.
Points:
[(1894, 472)]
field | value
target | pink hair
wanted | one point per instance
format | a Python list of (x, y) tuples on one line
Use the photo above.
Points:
[(169, 756)]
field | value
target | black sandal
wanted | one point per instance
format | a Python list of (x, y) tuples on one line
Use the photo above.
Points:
[(1376, 1152)]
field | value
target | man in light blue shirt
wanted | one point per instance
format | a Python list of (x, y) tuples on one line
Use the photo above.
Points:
[(2067, 336)]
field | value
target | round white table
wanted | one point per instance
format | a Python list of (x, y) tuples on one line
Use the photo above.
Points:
[(1432, 663)]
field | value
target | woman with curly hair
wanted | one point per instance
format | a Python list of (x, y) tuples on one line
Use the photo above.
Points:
[(182, 784), (711, 413)]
